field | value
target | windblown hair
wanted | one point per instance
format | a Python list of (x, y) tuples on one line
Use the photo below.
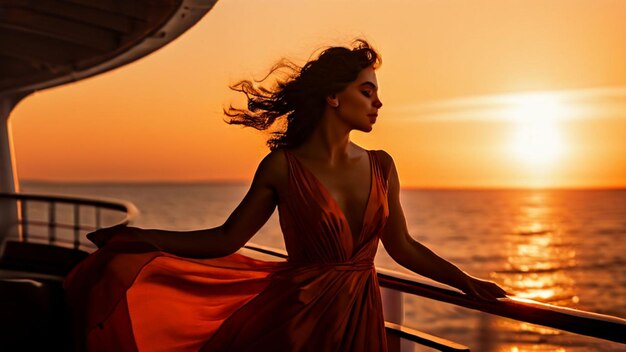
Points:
[(298, 101)]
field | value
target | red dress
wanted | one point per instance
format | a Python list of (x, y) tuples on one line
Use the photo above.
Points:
[(127, 296)]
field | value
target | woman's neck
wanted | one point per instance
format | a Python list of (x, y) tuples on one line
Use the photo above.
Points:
[(328, 142)]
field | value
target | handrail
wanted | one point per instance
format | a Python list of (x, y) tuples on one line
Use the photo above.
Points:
[(568, 319), (108, 203), (577, 321), (128, 208)]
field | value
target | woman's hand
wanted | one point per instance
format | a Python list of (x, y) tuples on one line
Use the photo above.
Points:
[(102, 236), (483, 289)]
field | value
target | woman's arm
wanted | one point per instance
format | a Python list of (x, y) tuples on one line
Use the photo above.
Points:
[(421, 260), (251, 214)]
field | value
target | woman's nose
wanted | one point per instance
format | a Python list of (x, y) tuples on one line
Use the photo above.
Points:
[(378, 104)]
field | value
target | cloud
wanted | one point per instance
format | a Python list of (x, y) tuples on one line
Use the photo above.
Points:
[(599, 102)]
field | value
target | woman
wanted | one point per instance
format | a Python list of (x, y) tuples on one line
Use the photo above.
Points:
[(335, 200)]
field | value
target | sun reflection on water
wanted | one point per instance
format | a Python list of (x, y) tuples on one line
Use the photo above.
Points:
[(539, 257), (533, 349)]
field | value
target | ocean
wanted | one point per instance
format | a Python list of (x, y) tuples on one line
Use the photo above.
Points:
[(563, 247)]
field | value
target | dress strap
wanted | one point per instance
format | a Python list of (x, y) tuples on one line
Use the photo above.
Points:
[(381, 171)]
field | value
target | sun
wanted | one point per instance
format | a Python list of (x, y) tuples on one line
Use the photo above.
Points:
[(536, 140)]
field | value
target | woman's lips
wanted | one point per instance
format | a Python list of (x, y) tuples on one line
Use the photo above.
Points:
[(373, 117)]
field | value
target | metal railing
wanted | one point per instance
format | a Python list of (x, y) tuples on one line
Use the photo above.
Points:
[(600, 326), (76, 224)]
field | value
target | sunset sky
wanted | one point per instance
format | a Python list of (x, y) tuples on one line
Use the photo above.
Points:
[(475, 94)]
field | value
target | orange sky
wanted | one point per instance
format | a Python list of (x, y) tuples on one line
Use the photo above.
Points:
[(476, 94)]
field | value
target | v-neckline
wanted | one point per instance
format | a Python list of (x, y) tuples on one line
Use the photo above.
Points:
[(332, 198)]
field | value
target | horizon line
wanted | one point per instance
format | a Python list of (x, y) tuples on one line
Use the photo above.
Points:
[(247, 182)]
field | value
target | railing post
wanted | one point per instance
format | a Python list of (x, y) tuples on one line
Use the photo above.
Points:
[(24, 219), (52, 222), (393, 311), (76, 226)]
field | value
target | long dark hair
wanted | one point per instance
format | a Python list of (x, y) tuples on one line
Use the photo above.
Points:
[(300, 98)]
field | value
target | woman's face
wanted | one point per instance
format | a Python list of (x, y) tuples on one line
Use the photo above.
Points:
[(357, 105)]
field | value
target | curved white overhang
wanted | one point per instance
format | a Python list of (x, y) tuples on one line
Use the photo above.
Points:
[(46, 43)]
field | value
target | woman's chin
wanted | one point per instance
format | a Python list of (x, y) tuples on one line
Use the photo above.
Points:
[(366, 129)]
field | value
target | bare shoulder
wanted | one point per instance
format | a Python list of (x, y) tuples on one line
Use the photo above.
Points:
[(273, 168), (275, 158)]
